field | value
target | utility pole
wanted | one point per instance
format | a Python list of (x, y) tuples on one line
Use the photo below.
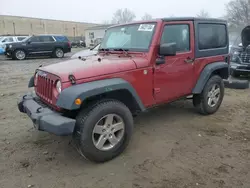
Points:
[(14, 28), (74, 30)]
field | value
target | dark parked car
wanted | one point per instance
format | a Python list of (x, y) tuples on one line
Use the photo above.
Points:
[(78, 44), (240, 55), (40, 45)]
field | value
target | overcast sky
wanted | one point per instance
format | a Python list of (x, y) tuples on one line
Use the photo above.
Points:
[(101, 10)]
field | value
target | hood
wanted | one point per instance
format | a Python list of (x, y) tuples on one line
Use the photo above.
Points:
[(93, 66), (245, 36), (84, 53)]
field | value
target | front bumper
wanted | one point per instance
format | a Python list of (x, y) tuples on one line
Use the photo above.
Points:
[(45, 119), (8, 53)]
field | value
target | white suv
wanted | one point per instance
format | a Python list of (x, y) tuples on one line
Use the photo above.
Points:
[(9, 39)]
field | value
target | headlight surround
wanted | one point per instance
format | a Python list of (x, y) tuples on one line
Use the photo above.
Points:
[(235, 57), (59, 86), (10, 46)]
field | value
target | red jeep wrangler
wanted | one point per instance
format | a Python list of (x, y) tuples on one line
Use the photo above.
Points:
[(139, 65)]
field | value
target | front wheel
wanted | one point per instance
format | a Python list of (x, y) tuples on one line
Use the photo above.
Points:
[(19, 55), (104, 130), (209, 101)]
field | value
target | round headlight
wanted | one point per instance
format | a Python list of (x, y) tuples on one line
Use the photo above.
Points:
[(10, 46), (59, 86)]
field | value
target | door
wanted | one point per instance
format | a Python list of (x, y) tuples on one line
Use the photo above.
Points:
[(40, 45), (174, 78), (46, 44), (33, 45)]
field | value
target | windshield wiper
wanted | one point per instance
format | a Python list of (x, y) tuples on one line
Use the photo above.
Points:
[(105, 50), (125, 51)]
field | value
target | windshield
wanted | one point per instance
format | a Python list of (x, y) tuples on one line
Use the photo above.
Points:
[(134, 37)]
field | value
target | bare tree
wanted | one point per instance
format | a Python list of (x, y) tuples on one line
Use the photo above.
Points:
[(203, 14), (238, 13), (147, 17), (123, 16)]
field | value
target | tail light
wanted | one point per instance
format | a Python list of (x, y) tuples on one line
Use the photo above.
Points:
[(69, 44)]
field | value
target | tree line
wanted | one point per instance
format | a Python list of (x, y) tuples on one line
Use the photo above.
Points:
[(237, 14)]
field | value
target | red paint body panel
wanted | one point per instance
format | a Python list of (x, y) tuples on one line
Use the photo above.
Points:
[(142, 83), (91, 67), (175, 77)]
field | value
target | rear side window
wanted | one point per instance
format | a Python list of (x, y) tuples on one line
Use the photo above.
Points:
[(61, 38), (212, 36)]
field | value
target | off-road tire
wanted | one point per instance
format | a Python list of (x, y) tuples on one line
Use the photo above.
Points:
[(15, 56), (56, 54), (85, 122), (200, 100)]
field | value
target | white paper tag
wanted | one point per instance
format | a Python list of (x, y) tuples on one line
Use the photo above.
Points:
[(146, 27)]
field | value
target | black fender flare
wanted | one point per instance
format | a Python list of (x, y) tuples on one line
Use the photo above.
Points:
[(67, 97), (206, 73), (31, 82)]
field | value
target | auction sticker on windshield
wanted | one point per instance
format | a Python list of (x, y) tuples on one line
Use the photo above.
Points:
[(146, 27)]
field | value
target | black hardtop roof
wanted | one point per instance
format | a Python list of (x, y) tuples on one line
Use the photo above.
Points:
[(193, 19)]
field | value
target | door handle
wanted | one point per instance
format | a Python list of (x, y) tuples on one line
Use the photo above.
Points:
[(189, 60)]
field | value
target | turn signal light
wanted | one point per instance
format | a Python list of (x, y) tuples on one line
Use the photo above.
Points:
[(78, 101)]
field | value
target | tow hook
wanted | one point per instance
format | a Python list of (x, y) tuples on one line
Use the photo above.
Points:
[(39, 110), (24, 96)]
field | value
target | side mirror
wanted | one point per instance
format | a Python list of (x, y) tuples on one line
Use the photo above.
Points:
[(167, 49)]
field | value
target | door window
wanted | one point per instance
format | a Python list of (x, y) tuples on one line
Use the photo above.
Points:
[(178, 34), (34, 39), (46, 39)]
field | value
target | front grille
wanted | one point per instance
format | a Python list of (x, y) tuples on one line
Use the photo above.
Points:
[(245, 57), (44, 88)]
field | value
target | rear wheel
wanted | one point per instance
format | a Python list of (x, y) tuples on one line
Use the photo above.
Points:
[(104, 130), (209, 101), (19, 55), (58, 53)]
